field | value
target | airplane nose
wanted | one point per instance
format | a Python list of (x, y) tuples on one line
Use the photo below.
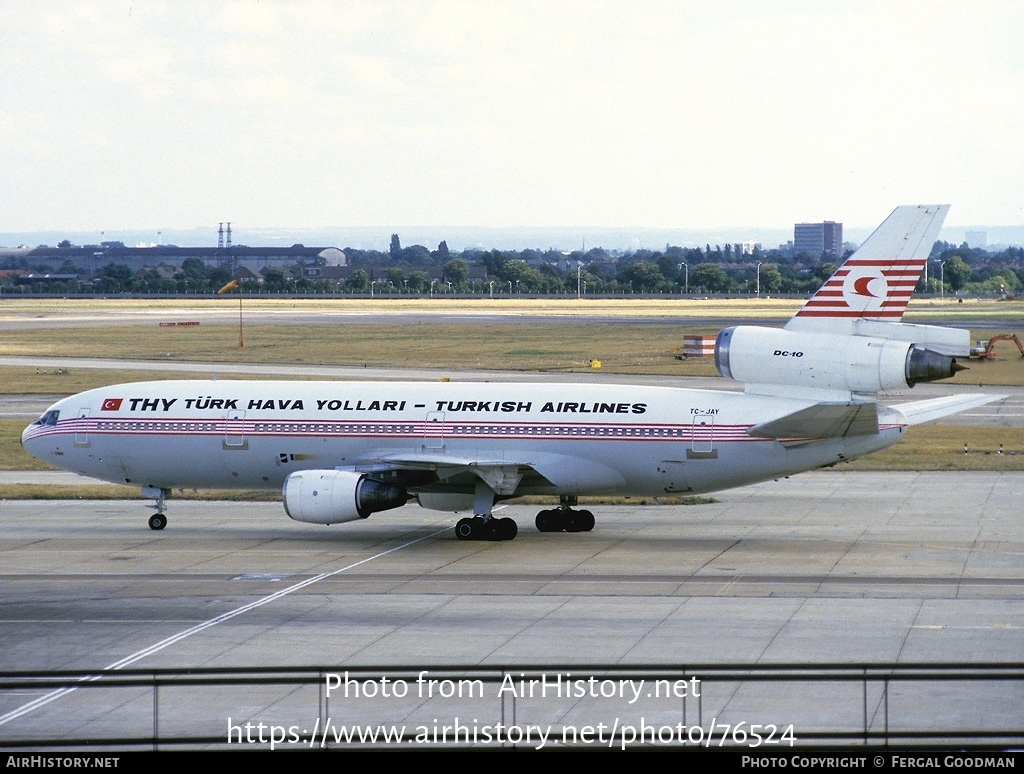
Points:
[(27, 443)]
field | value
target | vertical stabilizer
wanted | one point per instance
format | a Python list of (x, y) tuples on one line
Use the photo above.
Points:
[(876, 282)]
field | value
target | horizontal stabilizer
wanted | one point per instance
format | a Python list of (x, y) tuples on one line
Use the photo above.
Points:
[(825, 420), (922, 411)]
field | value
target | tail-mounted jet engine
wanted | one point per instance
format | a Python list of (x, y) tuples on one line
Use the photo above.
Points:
[(749, 353), (335, 496)]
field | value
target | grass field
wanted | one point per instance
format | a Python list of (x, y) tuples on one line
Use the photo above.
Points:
[(629, 348), (949, 309), (621, 348)]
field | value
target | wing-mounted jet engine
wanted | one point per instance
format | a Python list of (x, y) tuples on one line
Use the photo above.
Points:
[(336, 496)]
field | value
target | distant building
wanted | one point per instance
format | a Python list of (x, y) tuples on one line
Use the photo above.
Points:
[(91, 258), (976, 238), (244, 274), (819, 238)]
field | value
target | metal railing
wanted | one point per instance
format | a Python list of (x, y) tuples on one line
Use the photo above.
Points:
[(759, 706)]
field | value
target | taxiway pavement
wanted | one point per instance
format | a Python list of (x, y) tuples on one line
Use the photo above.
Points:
[(824, 567)]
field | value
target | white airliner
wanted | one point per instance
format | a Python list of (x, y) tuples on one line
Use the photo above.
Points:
[(342, 451)]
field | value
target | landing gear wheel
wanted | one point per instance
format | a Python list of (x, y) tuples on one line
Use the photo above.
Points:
[(586, 521), (548, 521), (157, 521), (492, 529), (507, 529), (565, 520)]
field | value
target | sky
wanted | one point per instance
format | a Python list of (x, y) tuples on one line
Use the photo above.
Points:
[(134, 114)]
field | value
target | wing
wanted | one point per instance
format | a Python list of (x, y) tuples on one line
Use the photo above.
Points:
[(458, 473)]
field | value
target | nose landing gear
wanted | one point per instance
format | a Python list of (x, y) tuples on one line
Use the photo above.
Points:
[(158, 520)]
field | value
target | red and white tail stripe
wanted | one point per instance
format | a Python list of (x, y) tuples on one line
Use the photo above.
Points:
[(876, 282), (875, 290)]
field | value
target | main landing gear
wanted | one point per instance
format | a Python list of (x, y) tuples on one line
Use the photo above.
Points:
[(158, 520), (565, 518), (479, 528), (483, 526)]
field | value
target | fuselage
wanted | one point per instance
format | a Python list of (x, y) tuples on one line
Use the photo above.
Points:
[(578, 439)]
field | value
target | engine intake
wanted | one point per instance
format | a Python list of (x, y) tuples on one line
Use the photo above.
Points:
[(335, 496)]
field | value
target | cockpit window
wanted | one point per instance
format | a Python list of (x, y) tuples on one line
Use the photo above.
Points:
[(49, 418)]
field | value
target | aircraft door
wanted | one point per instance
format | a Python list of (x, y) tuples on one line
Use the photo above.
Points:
[(82, 428), (702, 436), (234, 431), (433, 430)]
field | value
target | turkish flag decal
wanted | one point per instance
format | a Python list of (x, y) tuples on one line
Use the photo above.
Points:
[(111, 404)]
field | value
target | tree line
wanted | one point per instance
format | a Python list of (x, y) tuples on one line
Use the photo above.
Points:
[(417, 270)]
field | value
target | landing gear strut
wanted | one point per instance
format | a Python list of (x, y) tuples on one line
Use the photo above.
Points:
[(565, 518), (483, 526), (157, 521)]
